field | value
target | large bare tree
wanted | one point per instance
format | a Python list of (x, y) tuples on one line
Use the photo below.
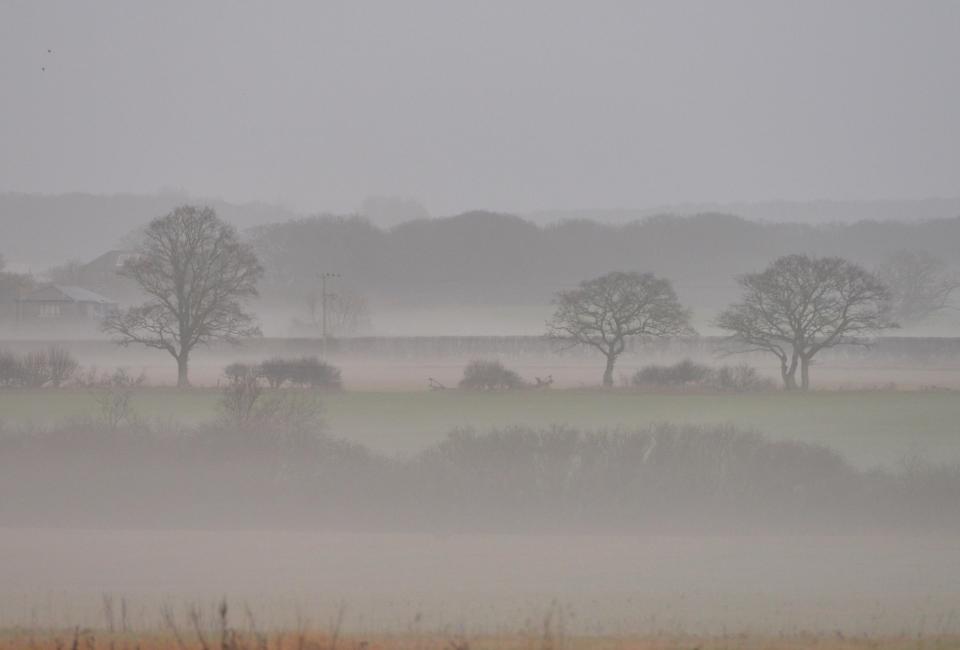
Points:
[(605, 312), (800, 305), (196, 274), (920, 284)]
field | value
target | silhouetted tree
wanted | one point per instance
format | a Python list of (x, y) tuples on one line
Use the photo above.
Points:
[(920, 284), (800, 305), (348, 312), (604, 312), (196, 274)]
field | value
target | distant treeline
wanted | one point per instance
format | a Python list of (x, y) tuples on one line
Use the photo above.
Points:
[(661, 479), (472, 258), (933, 351), (90, 224), (487, 258)]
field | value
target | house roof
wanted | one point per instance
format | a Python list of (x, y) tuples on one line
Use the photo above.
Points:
[(60, 293), (109, 261)]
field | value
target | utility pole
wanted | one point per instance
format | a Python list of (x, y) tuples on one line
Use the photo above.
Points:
[(323, 309)]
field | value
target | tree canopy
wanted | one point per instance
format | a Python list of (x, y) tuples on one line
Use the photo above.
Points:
[(920, 284), (196, 275), (605, 312), (800, 305)]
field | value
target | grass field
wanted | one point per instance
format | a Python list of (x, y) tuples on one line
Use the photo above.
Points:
[(870, 427), (871, 585)]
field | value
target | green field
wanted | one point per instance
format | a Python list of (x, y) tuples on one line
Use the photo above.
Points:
[(874, 427)]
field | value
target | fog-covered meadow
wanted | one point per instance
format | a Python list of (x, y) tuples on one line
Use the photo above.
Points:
[(552, 325)]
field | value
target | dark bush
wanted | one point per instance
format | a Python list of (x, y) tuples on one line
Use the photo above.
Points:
[(238, 371), (490, 375), (35, 369), (741, 379), (738, 379), (679, 374), (314, 373), (62, 366), (11, 370), (238, 399), (275, 371), (304, 372)]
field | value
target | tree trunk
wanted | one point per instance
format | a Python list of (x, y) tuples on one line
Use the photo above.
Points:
[(789, 380), (789, 373), (608, 372), (183, 380), (804, 373)]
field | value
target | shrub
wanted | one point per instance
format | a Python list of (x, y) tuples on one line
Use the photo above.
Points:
[(11, 369), (679, 374), (292, 418), (54, 365), (274, 371), (239, 397), (237, 371), (490, 375), (114, 395), (36, 369), (312, 372), (62, 365), (305, 372), (737, 379), (742, 378)]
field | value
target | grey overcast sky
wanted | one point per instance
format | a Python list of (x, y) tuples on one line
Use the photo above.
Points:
[(511, 105)]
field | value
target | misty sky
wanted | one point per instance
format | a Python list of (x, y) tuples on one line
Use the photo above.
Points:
[(503, 105)]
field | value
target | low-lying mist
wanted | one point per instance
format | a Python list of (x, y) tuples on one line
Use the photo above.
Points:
[(280, 470)]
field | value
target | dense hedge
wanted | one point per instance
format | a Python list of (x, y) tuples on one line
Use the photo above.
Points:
[(663, 478)]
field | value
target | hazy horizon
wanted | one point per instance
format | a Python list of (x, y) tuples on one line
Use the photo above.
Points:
[(452, 325), (494, 106)]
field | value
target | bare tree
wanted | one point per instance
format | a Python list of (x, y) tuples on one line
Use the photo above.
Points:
[(63, 366), (196, 275), (920, 284), (240, 395), (114, 395), (347, 311), (800, 305), (605, 312)]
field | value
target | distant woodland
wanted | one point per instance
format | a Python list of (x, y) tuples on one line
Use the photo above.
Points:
[(484, 257)]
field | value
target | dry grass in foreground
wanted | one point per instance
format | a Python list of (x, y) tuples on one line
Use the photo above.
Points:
[(203, 632), (251, 640)]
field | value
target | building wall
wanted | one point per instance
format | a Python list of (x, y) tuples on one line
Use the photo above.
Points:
[(61, 311)]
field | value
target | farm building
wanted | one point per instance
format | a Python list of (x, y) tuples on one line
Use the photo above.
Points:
[(54, 302), (104, 269)]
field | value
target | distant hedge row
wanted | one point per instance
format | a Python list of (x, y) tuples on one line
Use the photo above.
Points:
[(660, 478), (303, 372), (53, 366)]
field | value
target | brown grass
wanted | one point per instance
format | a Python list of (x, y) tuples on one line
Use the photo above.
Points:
[(250, 639), (212, 629)]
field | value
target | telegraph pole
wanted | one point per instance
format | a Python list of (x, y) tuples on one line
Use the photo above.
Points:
[(323, 309)]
